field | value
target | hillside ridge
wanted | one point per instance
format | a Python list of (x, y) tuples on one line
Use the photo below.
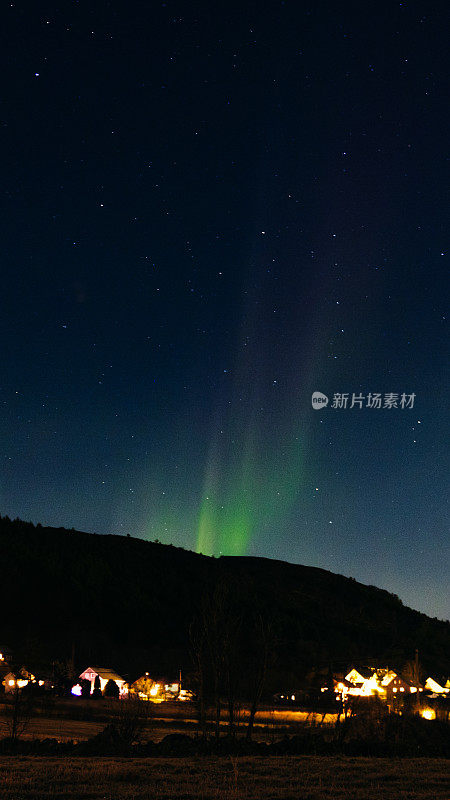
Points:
[(130, 603)]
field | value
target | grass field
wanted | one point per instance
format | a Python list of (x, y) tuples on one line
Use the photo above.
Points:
[(270, 724), (220, 778)]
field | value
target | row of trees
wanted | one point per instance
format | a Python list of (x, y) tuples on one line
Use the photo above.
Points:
[(233, 642)]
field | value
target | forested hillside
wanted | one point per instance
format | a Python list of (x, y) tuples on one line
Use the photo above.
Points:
[(130, 603)]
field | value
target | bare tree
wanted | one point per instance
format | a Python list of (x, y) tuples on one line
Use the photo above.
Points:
[(264, 638), (215, 643), (197, 640), (17, 716), (130, 718)]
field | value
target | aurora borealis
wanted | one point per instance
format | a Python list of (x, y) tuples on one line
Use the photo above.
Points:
[(207, 215)]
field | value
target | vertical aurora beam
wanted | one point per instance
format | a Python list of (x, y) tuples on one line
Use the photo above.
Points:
[(255, 490), (226, 516), (238, 515), (223, 525), (207, 522), (258, 492), (207, 525)]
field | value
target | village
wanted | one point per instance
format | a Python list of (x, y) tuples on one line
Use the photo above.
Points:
[(323, 690)]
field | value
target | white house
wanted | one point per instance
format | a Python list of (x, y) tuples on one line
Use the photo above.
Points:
[(433, 686), (105, 674), (368, 681)]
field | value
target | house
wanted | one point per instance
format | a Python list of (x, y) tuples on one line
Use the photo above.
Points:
[(341, 686), (5, 654), (364, 682), (398, 686), (185, 696), (105, 674), (357, 677), (4, 670), (157, 690), (173, 690), (367, 681), (20, 679), (385, 676), (433, 686), (147, 688)]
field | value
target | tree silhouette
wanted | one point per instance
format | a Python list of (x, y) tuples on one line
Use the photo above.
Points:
[(111, 689)]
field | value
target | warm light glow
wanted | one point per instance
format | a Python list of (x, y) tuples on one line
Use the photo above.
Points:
[(11, 683), (388, 676), (185, 695), (366, 687), (435, 687), (370, 686), (354, 677), (21, 683), (41, 683), (154, 689), (428, 713)]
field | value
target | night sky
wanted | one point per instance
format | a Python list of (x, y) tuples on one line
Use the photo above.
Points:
[(209, 212)]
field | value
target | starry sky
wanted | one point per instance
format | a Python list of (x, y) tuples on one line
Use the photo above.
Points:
[(208, 212)]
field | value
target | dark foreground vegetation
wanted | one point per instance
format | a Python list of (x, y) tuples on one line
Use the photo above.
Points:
[(224, 778), (374, 733)]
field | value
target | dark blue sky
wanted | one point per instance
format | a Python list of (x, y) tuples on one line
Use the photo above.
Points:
[(208, 213)]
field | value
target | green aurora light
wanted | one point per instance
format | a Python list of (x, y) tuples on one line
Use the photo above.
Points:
[(258, 491)]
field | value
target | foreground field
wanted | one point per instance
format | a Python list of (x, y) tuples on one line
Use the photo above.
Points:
[(64, 730), (80, 720), (296, 777)]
